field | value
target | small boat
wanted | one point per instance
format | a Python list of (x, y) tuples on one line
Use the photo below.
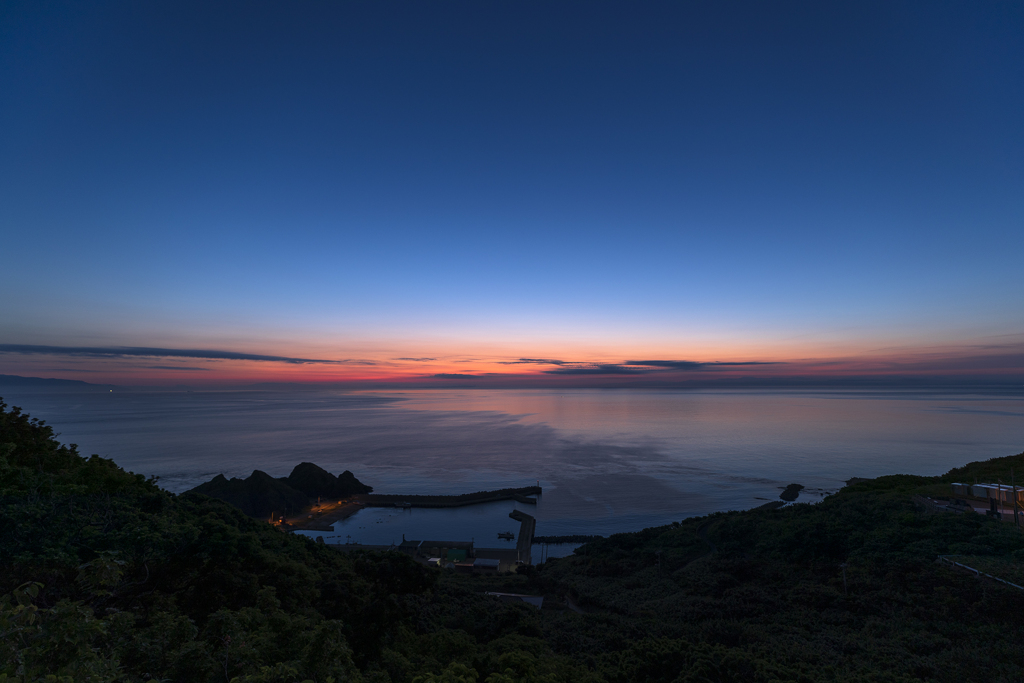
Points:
[(507, 535)]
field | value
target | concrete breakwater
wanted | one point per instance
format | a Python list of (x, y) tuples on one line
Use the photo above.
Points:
[(574, 538), (418, 501), (527, 526)]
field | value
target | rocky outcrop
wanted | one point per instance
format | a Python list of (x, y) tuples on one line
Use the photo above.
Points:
[(260, 495), (316, 482)]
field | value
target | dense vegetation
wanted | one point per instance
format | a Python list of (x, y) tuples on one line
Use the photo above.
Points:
[(106, 577)]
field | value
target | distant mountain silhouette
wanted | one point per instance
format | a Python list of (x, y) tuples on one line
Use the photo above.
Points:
[(19, 381), (259, 495)]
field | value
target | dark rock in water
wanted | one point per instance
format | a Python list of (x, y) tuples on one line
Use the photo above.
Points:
[(260, 494), (316, 482), (791, 492)]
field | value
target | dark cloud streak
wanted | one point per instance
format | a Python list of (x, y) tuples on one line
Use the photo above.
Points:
[(634, 367), (696, 365), (148, 352), (535, 361), (629, 367), (609, 369)]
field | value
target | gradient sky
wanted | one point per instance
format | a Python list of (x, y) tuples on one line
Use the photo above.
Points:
[(823, 189)]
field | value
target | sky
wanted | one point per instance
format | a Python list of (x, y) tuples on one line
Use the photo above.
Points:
[(512, 193)]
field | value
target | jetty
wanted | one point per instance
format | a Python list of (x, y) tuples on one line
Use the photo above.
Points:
[(406, 501), (524, 545)]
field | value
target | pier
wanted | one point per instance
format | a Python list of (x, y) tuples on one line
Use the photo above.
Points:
[(524, 545)]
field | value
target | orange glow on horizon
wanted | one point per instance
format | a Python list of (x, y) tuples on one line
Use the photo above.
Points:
[(582, 367)]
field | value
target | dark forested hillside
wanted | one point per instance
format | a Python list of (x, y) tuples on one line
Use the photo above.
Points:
[(258, 495), (106, 577), (846, 589)]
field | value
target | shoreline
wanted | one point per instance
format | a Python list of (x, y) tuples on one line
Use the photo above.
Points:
[(330, 515)]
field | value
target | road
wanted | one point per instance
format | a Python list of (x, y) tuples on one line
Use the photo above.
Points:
[(329, 514)]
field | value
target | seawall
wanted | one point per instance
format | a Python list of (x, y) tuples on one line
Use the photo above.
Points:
[(400, 500)]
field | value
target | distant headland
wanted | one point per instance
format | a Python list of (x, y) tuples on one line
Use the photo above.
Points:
[(19, 381), (260, 495)]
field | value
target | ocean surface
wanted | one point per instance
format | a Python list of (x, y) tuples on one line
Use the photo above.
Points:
[(608, 460)]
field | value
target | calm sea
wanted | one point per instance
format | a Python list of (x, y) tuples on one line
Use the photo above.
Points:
[(609, 460)]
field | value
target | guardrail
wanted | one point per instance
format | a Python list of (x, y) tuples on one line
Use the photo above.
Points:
[(977, 572)]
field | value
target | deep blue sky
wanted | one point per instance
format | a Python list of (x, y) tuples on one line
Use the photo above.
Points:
[(687, 179)]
